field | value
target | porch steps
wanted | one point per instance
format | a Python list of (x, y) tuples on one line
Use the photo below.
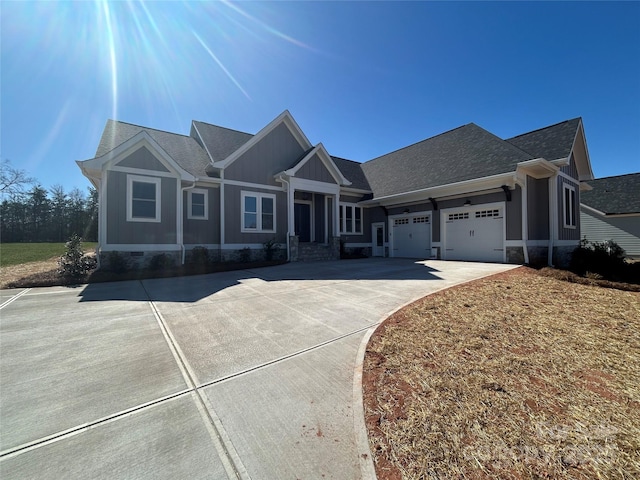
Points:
[(314, 252)]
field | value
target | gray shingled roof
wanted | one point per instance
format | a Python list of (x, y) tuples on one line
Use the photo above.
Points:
[(219, 141), (613, 195), (352, 171), (465, 153), (551, 143), (184, 150)]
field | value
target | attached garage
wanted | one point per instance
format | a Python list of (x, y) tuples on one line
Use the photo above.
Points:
[(475, 234), (411, 236)]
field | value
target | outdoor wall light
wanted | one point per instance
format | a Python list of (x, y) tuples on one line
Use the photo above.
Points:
[(406, 210), (467, 203)]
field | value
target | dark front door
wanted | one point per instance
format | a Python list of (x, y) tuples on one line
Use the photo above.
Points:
[(302, 216)]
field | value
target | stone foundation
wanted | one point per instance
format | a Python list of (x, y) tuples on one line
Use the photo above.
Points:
[(137, 260), (515, 255), (562, 256)]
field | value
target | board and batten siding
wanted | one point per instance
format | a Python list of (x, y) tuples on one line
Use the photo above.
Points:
[(568, 233), (202, 232), (233, 217), (314, 169), (120, 231), (570, 169), (276, 152), (625, 231), (538, 208), (143, 159)]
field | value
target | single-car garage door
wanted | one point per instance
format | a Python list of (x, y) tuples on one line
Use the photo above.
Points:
[(475, 235), (411, 236)]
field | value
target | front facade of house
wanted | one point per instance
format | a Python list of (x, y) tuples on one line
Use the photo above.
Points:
[(462, 195)]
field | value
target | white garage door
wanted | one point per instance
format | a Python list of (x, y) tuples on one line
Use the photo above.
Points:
[(411, 237), (475, 235)]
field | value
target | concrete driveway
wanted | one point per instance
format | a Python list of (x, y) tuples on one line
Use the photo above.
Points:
[(246, 374)]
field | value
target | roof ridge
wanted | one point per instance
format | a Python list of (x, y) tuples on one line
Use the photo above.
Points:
[(149, 128), (544, 128), (420, 141), (225, 128)]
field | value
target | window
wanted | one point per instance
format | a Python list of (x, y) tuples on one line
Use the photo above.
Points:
[(143, 199), (487, 213), (258, 212), (350, 218), (458, 216), (569, 203), (198, 204)]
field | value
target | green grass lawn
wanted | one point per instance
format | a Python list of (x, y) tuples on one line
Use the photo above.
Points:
[(18, 253)]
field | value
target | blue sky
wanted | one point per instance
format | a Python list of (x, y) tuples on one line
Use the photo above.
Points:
[(363, 78)]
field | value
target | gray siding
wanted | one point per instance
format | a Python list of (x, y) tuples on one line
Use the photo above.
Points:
[(314, 169), (513, 215), (568, 233), (143, 159), (376, 215), (233, 213), (276, 152), (571, 169), (202, 232), (119, 231), (625, 231), (538, 208)]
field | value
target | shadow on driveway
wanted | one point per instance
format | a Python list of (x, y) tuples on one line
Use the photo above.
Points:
[(194, 288)]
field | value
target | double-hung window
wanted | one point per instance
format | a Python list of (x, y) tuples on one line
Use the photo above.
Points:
[(198, 204), (258, 212), (569, 204), (350, 219), (143, 199)]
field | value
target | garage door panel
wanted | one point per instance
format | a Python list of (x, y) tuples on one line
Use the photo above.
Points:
[(411, 237), (476, 235)]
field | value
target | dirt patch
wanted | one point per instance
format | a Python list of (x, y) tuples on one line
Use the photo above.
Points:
[(519, 375)]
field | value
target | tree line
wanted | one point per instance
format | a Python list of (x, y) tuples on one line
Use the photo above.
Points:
[(31, 213)]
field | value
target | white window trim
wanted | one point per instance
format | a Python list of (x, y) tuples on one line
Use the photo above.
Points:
[(158, 185), (343, 224), (572, 221), (190, 214), (259, 196)]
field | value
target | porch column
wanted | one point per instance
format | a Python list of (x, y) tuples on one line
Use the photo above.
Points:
[(290, 210), (336, 215)]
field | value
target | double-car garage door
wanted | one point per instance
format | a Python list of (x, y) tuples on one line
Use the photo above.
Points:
[(469, 234)]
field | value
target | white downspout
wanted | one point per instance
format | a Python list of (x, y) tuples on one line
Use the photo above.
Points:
[(525, 218), (222, 213), (281, 178), (181, 216), (553, 215)]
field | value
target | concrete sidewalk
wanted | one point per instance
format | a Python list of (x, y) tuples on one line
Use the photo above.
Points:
[(246, 374)]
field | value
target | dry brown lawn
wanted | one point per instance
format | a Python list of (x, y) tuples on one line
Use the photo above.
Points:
[(10, 276), (516, 376)]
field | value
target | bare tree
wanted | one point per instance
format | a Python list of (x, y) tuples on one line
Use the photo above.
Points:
[(12, 180)]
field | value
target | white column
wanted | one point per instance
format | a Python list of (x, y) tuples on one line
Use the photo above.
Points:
[(336, 216)]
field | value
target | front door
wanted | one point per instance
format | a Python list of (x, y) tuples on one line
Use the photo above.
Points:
[(377, 235), (302, 217)]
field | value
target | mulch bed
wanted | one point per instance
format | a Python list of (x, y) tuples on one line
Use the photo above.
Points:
[(519, 375)]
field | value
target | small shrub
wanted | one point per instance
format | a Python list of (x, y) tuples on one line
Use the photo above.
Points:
[(601, 258), (244, 255), (74, 263), (199, 256), (270, 247), (116, 263), (162, 261)]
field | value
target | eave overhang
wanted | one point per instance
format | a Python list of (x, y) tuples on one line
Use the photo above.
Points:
[(94, 167), (452, 189)]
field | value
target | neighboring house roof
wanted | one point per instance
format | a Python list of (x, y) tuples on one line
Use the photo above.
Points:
[(614, 195), (352, 171), (551, 143), (184, 150), (465, 153), (220, 142)]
